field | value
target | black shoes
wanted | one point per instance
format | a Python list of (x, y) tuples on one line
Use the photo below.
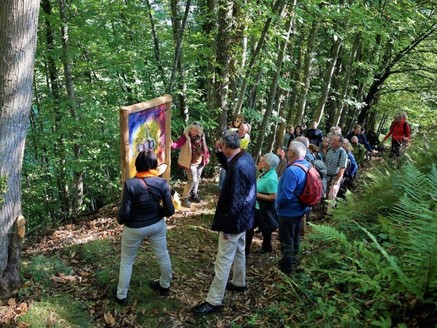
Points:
[(122, 302), (195, 198), (232, 288), (206, 308), (154, 284)]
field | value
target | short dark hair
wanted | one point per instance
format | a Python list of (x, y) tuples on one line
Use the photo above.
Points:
[(231, 139), (146, 161)]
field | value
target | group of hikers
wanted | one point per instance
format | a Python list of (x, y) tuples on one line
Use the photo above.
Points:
[(267, 196)]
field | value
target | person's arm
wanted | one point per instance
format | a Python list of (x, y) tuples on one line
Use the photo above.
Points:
[(390, 132), (407, 132), (340, 175), (366, 143), (179, 143), (342, 167), (266, 197), (125, 207), (167, 202), (221, 157)]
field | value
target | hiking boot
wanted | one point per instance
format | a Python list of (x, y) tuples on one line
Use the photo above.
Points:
[(206, 308), (238, 289), (186, 202), (154, 284), (195, 198), (119, 301)]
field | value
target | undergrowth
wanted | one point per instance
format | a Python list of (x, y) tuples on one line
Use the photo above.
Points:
[(375, 263)]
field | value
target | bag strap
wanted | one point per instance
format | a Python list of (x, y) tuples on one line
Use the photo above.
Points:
[(303, 167), (148, 189), (145, 184)]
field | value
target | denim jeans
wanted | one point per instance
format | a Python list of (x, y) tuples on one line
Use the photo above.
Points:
[(130, 243), (193, 175), (289, 237), (230, 250)]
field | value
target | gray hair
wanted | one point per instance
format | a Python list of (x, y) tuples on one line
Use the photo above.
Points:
[(230, 139), (303, 140), (272, 160), (298, 148)]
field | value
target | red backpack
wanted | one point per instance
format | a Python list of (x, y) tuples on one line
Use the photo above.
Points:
[(313, 191)]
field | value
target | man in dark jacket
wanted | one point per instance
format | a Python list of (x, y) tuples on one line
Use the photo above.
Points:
[(361, 137), (234, 215), (314, 135)]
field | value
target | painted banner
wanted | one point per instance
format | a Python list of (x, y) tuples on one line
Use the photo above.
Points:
[(146, 126)]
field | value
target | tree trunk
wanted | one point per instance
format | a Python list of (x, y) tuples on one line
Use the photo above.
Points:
[(273, 90), (311, 43), (77, 200), (328, 78), (379, 79), (277, 8), (155, 43), (178, 42), (18, 27), (223, 59), (53, 77), (345, 86), (178, 76)]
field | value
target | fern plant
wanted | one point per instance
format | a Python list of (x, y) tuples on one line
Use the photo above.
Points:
[(413, 229)]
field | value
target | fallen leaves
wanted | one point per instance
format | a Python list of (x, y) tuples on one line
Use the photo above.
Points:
[(109, 318), (193, 248)]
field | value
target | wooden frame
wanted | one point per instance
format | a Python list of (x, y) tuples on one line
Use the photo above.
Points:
[(143, 126)]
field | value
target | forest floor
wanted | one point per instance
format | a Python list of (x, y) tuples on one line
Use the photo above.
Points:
[(69, 275)]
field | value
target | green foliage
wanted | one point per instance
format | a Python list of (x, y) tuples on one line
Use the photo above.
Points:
[(57, 312)]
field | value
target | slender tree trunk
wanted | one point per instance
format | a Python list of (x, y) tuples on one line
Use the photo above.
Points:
[(18, 28), (208, 28), (327, 80), (72, 103), (309, 53), (155, 43), (179, 77), (347, 76), (237, 41), (296, 90), (273, 89), (277, 8), (223, 60), (53, 78), (178, 45)]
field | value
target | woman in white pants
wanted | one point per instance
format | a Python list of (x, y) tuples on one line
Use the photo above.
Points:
[(146, 201)]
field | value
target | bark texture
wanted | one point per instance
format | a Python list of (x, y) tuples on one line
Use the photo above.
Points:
[(18, 26)]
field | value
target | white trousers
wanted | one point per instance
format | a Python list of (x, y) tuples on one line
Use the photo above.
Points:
[(130, 243), (230, 251), (194, 175)]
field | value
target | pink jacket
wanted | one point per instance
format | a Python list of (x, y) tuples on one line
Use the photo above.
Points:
[(184, 159)]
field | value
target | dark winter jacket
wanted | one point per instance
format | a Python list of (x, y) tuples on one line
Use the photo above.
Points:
[(315, 136), (236, 204), (361, 139), (141, 207)]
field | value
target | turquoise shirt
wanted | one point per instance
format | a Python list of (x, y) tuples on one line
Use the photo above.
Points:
[(267, 183)]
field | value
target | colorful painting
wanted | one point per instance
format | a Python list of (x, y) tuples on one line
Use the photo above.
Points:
[(146, 126)]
